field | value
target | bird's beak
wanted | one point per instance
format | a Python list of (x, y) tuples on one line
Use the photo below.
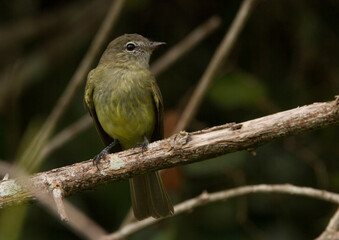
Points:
[(154, 45)]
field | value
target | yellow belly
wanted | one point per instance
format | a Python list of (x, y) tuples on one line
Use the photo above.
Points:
[(128, 118)]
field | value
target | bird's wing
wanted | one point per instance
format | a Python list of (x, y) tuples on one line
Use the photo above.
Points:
[(89, 103), (159, 126)]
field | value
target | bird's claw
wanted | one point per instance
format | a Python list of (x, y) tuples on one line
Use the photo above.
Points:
[(143, 145), (98, 157), (103, 153)]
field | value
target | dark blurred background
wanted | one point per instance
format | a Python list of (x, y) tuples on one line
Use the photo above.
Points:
[(287, 56)]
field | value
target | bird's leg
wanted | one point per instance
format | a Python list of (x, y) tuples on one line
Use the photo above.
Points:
[(103, 153), (143, 144)]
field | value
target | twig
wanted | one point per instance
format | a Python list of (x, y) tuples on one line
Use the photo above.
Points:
[(66, 135), (77, 221), (221, 53), (207, 198), (82, 224), (57, 196), (185, 45), (332, 230), (34, 149), (6, 177), (182, 148), (334, 222)]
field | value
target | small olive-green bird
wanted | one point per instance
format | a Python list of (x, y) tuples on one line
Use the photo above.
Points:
[(126, 106)]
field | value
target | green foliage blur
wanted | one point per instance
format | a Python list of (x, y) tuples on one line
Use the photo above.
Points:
[(287, 56)]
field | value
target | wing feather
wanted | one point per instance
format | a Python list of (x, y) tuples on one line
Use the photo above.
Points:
[(89, 103), (159, 125)]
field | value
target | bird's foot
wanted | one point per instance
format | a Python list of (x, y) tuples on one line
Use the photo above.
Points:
[(98, 157), (143, 145), (103, 153)]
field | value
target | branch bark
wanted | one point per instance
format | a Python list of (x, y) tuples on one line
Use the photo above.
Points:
[(182, 148)]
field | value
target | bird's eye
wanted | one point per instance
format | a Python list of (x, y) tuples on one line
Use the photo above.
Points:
[(130, 47)]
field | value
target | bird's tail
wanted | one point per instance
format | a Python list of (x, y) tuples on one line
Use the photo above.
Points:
[(149, 197)]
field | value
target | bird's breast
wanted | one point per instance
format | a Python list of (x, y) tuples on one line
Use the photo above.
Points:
[(125, 109)]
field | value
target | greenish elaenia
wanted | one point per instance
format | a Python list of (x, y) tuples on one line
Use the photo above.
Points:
[(126, 106)]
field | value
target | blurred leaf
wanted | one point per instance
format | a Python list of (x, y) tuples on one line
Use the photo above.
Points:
[(216, 165), (11, 222), (165, 234), (236, 90)]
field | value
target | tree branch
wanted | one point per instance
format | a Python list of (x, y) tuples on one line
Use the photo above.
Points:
[(332, 230), (182, 148), (72, 217), (206, 198)]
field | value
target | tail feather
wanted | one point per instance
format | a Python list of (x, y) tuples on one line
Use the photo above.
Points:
[(149, 197)]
